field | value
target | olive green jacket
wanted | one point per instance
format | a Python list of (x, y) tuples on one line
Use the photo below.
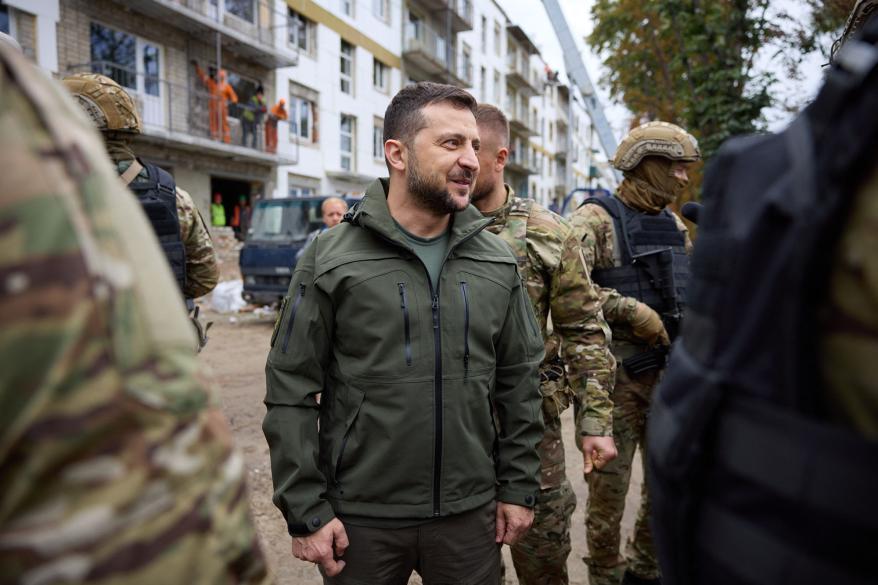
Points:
[(430, 400)]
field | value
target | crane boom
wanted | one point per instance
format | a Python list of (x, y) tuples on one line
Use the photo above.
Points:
[(578, 74)]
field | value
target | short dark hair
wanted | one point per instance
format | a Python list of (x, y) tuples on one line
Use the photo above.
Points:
[(493, 118), (403, 118)]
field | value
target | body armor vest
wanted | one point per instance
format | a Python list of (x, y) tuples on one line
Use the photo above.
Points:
[(653, 264), (158, 197), (750, 482)]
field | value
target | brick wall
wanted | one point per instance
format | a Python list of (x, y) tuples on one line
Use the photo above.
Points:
[(26, 33)]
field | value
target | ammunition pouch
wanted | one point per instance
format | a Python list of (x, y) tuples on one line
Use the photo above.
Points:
[(554, 389)]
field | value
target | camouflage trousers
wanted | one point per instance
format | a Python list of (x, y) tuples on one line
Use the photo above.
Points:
[(540, 558), (608, 487)]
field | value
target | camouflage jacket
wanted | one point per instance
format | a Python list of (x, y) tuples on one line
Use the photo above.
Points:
[(115, 464), (849, 322), (594, 227), (561, 291), (202, 266)]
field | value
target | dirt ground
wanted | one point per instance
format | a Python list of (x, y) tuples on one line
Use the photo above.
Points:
[(236, 356)]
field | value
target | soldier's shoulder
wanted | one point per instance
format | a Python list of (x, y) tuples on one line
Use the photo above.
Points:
[(590, 214)]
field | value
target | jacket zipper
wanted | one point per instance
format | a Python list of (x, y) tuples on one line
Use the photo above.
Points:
[(292, 320), (437, 349), (437, 394), (464, 291), (403, 300)]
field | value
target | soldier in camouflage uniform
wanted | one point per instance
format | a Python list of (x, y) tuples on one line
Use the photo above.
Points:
[(561, 291), (653, 158), (115, 464), (115, 114)]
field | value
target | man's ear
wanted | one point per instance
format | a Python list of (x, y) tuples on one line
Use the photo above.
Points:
[(500, 161), (396, 154)]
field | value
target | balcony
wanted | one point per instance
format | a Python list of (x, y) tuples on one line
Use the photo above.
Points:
[(426, 54), (180, 116), (519, 75), (518, 163), (247, 27), (561, 146), (519, 123), (459, 11)]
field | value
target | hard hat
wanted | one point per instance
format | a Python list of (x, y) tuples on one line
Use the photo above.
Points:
[(105, 102), (656, 139)]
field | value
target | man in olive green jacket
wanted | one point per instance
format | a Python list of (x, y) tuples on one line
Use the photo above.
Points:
[(412, 324)]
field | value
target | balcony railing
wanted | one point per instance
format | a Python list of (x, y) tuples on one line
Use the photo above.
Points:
[(183, 114), (249, 26), (427, 50), (464, 10)]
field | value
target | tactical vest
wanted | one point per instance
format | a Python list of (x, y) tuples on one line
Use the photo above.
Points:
[(750, 482), (653, 264), (158, 197)]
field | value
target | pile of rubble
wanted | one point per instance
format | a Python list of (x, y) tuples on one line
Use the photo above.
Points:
[(227, 249)]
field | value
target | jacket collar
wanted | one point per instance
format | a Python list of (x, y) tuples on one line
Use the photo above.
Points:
[(372, 213)]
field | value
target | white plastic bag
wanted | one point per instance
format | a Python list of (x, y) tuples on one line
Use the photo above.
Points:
[(226, 297)]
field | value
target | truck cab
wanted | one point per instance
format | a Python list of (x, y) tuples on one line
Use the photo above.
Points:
[(278, 232)]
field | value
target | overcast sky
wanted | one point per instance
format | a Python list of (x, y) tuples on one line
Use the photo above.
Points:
[(532, 17)]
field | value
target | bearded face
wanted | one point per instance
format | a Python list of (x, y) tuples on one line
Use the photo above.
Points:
[(430, 188)]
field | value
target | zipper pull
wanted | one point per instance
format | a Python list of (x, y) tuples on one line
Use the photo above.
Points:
[(435, 307), (401, 286)]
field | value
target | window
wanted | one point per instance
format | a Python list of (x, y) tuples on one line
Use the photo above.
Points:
[(151, 70), (484, 38), (551, 131), (243, 9), (301, 32), (496, 87), (114, 54), (347, 7), (482, 89), (381, 10), (5, 20), (301, 119), (348, 126), (378, 139), (380, 76), (347, 68), (497, 38), (298, 191), (466, 65)]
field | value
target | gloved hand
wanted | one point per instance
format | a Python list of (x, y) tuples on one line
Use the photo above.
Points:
[(648, 326)]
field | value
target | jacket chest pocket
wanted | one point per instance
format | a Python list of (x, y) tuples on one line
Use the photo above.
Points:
[(478, 315), (286, 319), (379, 324)]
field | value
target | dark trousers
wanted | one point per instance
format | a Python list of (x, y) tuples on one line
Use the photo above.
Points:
[(457, 550), (248, 129)]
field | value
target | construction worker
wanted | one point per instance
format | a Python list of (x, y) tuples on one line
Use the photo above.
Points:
[(217, 211), (221, 93), (278, 112)]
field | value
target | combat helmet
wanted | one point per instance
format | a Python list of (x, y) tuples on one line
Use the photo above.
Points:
[(656, 139), (863, 10), (105, 101)]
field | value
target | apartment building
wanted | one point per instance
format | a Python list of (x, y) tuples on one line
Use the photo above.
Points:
[(350, 60), (336, 63), (169, 54)]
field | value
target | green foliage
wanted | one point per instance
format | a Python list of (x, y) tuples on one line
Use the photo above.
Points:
[(689, 62)]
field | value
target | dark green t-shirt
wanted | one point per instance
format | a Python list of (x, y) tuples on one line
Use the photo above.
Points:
[(431, 251)]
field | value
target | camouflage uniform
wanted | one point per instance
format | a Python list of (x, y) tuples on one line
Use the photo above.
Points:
[(115, 465), (631, 398), (558, 283)]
